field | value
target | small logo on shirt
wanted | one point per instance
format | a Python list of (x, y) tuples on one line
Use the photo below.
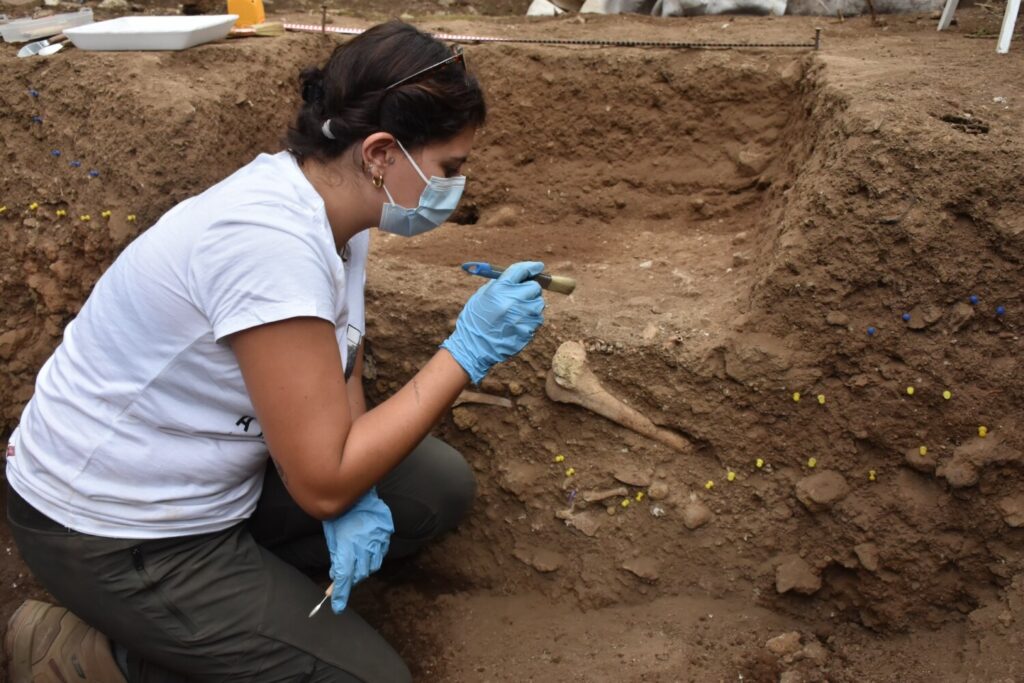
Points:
[(10, 450), (245, 422)]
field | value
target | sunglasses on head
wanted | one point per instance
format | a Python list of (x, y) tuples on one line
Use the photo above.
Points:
[(456, 58)]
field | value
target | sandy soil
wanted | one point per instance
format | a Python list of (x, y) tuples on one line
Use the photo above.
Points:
[(736, 220)]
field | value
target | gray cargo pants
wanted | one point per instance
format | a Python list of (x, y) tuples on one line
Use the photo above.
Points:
[(233, 605)]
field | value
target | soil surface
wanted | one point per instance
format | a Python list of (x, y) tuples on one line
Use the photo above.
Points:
[(747, 227)]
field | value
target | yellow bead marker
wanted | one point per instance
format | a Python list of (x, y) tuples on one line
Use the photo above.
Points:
[(3, 209), (923, 450), (812, 462), (625, 502), (639, 496), (61, 213), (731, 476), (947, 394), (85, 218), (130, 218), (871, 475), (106, 214), (33, 206), (709, 485), (821, 399), (759, 463), (571, 471), (983, 431), (910, 391), (796, 396), (559, 458)]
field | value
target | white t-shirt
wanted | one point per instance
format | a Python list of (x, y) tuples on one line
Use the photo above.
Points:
[(140, 425)]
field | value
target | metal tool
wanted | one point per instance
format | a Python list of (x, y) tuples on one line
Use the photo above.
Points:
[(327, 594), (554, 283), (33, 49)]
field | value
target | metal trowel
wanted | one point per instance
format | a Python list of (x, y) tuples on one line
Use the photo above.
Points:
[(37, 47)]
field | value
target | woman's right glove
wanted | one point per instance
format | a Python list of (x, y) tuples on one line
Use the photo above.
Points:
[(498, 321)]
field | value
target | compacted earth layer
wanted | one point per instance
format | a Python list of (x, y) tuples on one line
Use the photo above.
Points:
[(804, 266)]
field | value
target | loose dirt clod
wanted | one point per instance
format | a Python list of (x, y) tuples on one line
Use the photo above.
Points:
[(795, 574), (822, 490), (645, 568), (696, 514), (867, 553), (784, 644)]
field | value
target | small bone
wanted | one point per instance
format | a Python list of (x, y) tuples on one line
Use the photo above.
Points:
[(477, 397), (595, 496), (571, 381)]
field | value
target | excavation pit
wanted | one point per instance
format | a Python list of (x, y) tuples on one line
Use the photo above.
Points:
[(736, 220)]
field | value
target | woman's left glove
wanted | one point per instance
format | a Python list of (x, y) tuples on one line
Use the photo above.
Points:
[(358, 542)]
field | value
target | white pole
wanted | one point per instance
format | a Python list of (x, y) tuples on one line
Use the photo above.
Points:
[(1009, 21), (947, 14)]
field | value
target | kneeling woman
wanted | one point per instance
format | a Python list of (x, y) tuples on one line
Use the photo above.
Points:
[(140, 493)]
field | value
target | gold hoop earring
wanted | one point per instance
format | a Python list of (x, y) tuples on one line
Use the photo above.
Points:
[(378, 180)]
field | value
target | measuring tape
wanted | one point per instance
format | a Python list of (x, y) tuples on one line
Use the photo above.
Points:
[(593, 42)]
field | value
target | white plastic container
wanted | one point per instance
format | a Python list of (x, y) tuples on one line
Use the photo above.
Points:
[(151, 33), (21, 30)]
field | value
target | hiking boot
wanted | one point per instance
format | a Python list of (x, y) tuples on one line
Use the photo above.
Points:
[(48, 644)]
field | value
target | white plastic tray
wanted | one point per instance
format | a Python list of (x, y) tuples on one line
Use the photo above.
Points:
[(151, 33)]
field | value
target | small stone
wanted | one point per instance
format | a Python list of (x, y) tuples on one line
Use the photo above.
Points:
[(645, 264), (837, 319), (464, 418), (796, 575), (696, 514), (633, 475), (658, 490), (541, 559), (645, 568), (822, 490), (867, 553), (815, 652), (740, 238), (1012, 509), (739, 260), (515, 388), (785, 644), (114, 5)]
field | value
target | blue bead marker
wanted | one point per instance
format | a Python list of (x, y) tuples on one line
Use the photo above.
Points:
[(37, 119), (32, 92), (55, 153), (871, 331), (906, 317), (1000, 311), (973, 298), (94, 173), (75, 164)]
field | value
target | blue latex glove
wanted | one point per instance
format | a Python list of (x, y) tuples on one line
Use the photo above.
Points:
[(357, 541), (498, 321)]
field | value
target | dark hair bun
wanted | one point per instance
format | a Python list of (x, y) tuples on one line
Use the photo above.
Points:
[(355, 95)]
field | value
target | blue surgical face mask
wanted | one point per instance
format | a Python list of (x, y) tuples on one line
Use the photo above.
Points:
[(437, 203)]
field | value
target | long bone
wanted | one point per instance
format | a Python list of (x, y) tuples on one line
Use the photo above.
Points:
[(570, 380)]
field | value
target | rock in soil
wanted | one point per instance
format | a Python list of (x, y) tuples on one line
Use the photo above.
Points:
[(696, 514), (784, 644), (796, 575), (822, 490)]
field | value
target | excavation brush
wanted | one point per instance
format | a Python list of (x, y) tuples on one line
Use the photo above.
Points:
[(554, 283)]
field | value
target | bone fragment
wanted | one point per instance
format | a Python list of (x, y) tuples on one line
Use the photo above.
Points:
[(570, 380), (598, 495), (477, 397)]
